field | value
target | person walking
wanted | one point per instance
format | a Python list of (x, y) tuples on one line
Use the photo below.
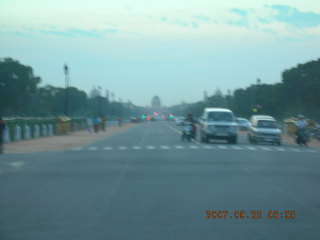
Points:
[(2, 129)]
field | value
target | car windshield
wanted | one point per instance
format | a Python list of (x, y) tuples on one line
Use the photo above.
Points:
[(267, 124), (220, 116)]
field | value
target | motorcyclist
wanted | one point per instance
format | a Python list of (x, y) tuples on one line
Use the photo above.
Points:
[(193, 123), (301, 125)]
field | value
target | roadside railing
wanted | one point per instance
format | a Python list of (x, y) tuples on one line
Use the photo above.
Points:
[(18, 129)]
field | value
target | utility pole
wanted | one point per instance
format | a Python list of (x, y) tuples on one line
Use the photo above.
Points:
[(66, 100), (99, 101)]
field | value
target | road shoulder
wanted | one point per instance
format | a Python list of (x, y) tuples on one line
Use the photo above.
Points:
[(56, 143)]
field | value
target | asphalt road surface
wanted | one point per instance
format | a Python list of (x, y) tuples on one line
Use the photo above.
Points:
[(145, 183)]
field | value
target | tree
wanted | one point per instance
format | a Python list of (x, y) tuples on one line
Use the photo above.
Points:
[(17, 84)]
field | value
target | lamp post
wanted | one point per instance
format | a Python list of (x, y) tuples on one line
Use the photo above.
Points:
[(99, 101), (66, 100), (257, 100)]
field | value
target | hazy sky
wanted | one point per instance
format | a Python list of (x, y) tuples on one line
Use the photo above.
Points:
[(172, 48)]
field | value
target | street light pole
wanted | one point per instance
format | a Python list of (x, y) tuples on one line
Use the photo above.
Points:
[(99, 103), (66, 101)]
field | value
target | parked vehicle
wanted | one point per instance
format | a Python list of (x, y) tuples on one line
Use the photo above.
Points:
[(264, 129), (243, 124), (188, 131), (218, 123)]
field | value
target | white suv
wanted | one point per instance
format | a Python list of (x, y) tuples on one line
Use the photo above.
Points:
[(218, 123)]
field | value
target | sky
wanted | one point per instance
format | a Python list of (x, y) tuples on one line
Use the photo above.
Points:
[(176, 49)]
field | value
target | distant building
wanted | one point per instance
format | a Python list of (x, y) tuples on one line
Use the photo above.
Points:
[(156, 103)]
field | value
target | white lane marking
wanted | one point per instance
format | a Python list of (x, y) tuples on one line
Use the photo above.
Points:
[(92, 148), (16, 164), (280, 149), (150, 147), (179, 147), (207, 147), (164, 147), (77, 149), (107, 148), (237, 148), (251, 148), (294, 150), (222, 147), (122, 148), (193, 147), (136, 147), (265, 148), (310, 150)]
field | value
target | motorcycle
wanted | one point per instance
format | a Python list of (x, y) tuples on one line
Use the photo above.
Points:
[(188, 131), (302, 137)]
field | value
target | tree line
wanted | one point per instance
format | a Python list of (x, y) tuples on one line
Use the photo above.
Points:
[(297, 93), (22, 95)]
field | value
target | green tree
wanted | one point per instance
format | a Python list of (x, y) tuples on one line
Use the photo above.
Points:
[(17, 84)]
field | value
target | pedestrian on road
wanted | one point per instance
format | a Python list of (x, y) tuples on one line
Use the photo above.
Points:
[(96, 123), (2, 129), (89, 124)]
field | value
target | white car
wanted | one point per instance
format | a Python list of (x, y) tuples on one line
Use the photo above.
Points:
[(264, 129)]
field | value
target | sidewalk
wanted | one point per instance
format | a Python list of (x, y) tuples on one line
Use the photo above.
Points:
[(72, 140)]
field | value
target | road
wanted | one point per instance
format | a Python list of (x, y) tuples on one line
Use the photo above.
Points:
[(144, 183)]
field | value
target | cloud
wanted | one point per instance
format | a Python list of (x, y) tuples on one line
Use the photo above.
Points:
[(76, 32), (240, 23), (85, 33), (111, 31), (241, 12), (180, 23), (69, 33), (294, 17), (202, 18), (57, 33)]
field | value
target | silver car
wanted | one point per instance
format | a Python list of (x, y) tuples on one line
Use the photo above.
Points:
[(264, 129)]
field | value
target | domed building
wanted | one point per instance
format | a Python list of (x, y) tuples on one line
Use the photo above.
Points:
[(156, 103)]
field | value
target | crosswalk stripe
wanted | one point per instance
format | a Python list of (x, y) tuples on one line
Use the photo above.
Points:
[(310, 150), (251, 148), (280, 149), (222, 147), (77, 149), (207, 147), (164, 147), (237, 148), (193, 147), (179, 147), (294, 150), (265, 148), (202, 146)]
